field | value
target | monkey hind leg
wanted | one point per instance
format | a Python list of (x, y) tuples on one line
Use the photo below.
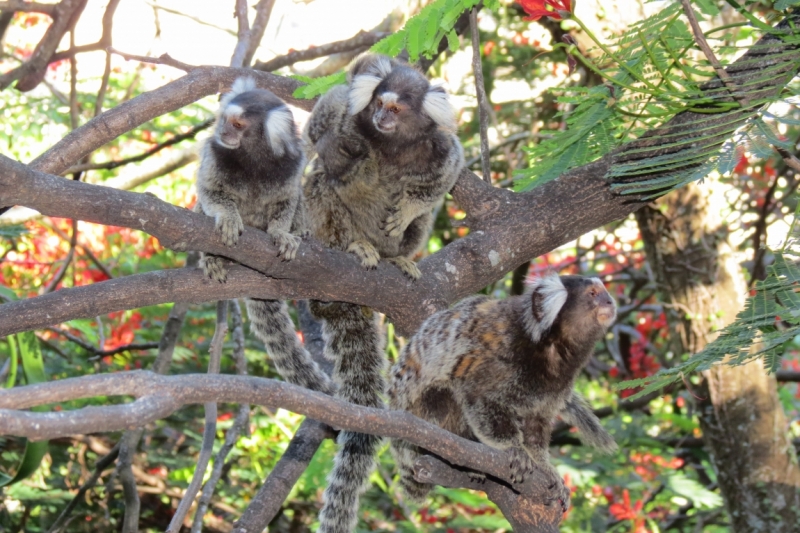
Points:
[(405, 455), (347, 481), (270, 321)]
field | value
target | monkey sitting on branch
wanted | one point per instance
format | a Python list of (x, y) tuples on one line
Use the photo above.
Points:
[(250, 173), (387, 154), (500, 371)]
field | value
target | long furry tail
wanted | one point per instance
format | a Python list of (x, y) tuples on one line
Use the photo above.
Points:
[(270, 321), (578, 413), (354, 339)]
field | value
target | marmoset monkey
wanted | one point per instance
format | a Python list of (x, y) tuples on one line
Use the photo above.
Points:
[(250, 172), (500, 371), (386, 155)]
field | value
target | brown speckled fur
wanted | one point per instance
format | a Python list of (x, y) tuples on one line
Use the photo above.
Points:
[(500, 371), (258, 184), (372, 193)]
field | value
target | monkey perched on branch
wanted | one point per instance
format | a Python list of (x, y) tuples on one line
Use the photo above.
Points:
[(500, 371), (250, 172), (387, 155)]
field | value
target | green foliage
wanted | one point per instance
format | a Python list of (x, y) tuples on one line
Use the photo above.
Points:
[(420, 36), (769, 322), (690, 489), (651, 74), (31, 355)]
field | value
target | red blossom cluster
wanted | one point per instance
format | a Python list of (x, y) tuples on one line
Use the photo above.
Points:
[(536, 9)]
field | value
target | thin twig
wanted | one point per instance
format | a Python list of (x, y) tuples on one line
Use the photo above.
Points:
[(263, 13), (101, 94), (163, 59), (789, 158), (127, 449), (480, 89), (86, 251), (239, 426), (709, 53), (108, 165), (67, 260), (101, 464), (362, 39), (102, 353), (243, 42), (210, 431)]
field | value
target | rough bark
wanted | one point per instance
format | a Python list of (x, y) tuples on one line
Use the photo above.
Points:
[(742, 420)]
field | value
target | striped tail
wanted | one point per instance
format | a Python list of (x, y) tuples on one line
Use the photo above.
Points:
[(354, 339), (270, 321)]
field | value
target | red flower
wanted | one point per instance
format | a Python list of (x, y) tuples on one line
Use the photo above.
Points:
[(536, 9)]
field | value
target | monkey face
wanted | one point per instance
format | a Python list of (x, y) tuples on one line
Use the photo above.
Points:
[(232, 127), (389, 113), (257, 121), (589, 308)]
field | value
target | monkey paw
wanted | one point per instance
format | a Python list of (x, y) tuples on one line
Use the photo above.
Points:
[(286, 242), (214, 267), (477, 477), (521, 464), (558, 491), (367, 253), (408, 266), (395, 224), (230, 226)]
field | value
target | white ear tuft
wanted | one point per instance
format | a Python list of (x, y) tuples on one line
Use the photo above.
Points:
[(361, 90), (437, 106), (279, 127), (546, 296)]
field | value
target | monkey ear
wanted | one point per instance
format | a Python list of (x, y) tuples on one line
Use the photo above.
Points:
[(437, 106), (241, 85), (280, 131), (372, 64), (362, 89), (544, 300)]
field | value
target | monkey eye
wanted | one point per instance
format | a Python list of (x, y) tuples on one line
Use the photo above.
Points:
[(380, 102), (395, 110), (593, 293), (236, 124)]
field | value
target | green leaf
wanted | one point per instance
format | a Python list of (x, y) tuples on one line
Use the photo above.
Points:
[(320, 86), (33, 365), (452, 41), (782, 5), (707, 7), (694, 491)]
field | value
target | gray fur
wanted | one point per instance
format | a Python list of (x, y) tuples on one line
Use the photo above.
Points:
[(251, 176), (482, 371), (371, 193)]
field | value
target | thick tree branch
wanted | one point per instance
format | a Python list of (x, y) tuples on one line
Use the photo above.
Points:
[(199, 83), (263, 12), (158, 396)]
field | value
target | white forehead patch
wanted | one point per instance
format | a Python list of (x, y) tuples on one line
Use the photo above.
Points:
[(361, 90), (389, 97), (233, 111)]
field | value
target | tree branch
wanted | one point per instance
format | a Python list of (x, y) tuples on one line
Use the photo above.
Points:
[(30, 73), (159, 396), (28, 7), (480, 90), (363, 39), (263, 12)]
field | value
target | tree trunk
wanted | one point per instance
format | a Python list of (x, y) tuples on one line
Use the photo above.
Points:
[(742, 420)]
